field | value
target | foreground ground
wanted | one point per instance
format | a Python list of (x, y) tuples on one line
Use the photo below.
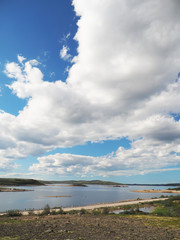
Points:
[(89, 227)]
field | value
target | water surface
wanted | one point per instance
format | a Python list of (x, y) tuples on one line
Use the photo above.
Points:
[(81, 196)]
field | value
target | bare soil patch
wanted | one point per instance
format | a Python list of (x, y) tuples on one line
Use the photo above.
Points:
[(89, 227)]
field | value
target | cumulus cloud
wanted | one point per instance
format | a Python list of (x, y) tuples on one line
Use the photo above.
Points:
[(64, 53), (123, 84), (125, 52), (141, 158), (21, 59)]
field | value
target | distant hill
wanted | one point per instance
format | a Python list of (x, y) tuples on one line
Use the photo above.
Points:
[(19, 182), (33, 182), (99, 182), (83, 182)]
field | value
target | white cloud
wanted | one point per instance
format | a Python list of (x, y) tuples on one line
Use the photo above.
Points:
[(121, 59), (122, 84), (65, 38), (52, 74), (141, 158), (64, 53), (21, 59)]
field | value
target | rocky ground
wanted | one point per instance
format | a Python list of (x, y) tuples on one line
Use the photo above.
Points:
[(89, 227)]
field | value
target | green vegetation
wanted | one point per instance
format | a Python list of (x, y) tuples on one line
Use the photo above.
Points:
[(19, 182), (79, 185), (96, 212), (10, 238), (73, 212), (170, 222), (83, 211), (60, 211), (46, 210), (31, 212), (169, 207), (166, 208), (105, 210), (13, 213), (176, 189)]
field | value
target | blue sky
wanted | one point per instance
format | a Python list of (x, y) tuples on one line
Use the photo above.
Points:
[(89, 93)]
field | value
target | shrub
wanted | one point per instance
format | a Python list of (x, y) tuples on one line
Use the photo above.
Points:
[(14, 213), (73, 212), (31, 212), (53, 212), (83, 211), (160, 211), (46, 210), (96, 212), (60, 211), (105, 210)]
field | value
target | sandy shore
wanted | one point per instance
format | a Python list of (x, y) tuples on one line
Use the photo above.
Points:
[(13, 190), (113, 204), (99, 205), (157, 191)]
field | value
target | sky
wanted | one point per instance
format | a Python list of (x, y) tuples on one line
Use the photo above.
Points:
[(90, 90)]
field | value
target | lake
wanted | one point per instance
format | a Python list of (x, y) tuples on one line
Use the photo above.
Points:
[(81, 196)]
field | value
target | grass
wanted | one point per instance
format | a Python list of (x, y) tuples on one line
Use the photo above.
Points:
[(169, 207), (166, 208), (170, 222), (9, 238)]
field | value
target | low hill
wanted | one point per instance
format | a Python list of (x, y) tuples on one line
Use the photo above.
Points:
[(83, 182), (19, 182)]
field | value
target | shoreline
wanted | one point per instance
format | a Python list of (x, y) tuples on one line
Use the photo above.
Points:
[(157, 191), (92, 206), (3, 189), (113, 204)]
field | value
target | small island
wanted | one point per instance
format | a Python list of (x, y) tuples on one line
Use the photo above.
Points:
[(57, 196), (78, 185), (7, 184), (3, 189), (116, 186), (169, 190)]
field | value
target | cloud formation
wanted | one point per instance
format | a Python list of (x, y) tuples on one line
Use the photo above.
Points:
[(64, 53), (123, 84), (141, 158)]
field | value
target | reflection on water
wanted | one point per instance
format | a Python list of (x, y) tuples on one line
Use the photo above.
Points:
[(142, 209), (80, 196), (147, 209)]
